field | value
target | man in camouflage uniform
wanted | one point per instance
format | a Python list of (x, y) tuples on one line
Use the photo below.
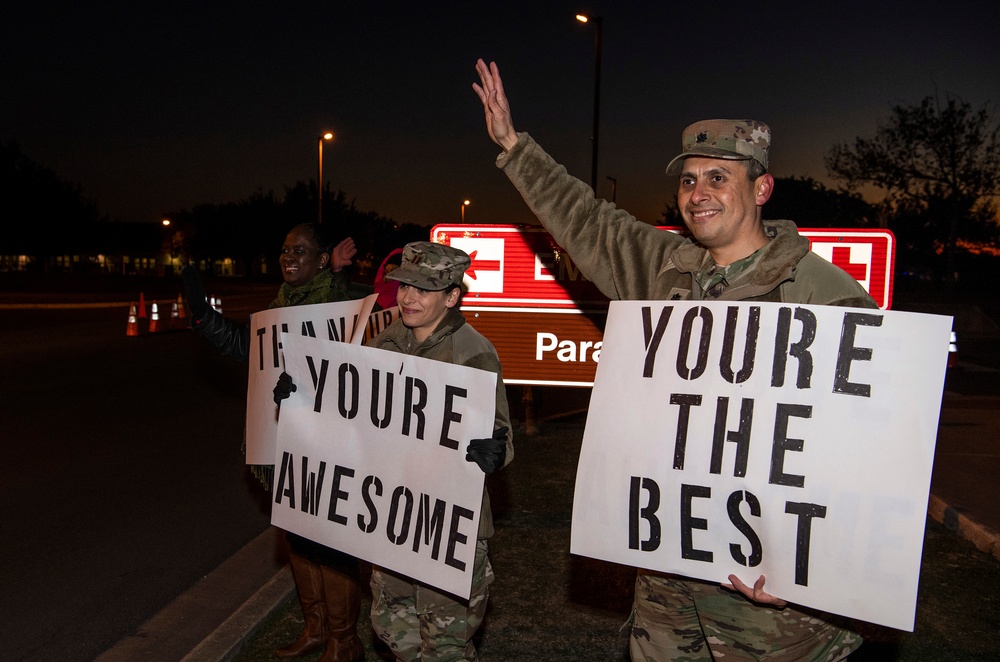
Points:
[(733, 255), (416, 621)]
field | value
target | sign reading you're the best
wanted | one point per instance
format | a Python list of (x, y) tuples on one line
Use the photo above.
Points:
[(789, 441)]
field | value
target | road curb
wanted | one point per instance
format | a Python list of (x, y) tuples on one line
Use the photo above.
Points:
[(983, 537), (226, 640), (214, 617)]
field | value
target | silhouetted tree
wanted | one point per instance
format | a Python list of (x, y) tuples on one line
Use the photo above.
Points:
[(937, 164), (811, 204), (42, 215)]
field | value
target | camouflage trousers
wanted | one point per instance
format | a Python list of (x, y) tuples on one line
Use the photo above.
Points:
[(418, 622), (677, 620)]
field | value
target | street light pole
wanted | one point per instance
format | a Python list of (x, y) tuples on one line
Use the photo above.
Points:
[(465, 203), (598, 25), (319, 177)]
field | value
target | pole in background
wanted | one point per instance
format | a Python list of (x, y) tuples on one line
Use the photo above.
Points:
[(319, 177), (598, 25)]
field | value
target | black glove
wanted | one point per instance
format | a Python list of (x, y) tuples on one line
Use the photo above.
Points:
[(194, 293), (283, 388), (489, 454)]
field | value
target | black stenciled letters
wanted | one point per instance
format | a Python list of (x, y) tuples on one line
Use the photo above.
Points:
[(685, 401), (782, 443), (275, 345), (333, 332), (348, 410), (381, 423), (689, 522), (366, 489), (414, 407), (749, 348), (312, 486), (647, 512), (806, 512), (318, 380), (736, 517), (799, 350), (337, 494), (848, 353), (429, 521), (450, 415), (456, 537), (703, 343), (287, 471), (740, 437), (400, 493), (652, 337)]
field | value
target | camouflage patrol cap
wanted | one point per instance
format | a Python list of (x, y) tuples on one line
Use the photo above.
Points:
[(431, 266), (738, 140)]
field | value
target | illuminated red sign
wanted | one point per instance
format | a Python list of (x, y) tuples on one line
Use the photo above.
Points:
[(546, 319)]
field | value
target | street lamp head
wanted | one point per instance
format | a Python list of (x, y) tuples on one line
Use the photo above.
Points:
[(466, 202), (583, 18), (327, 136), (165, 222)]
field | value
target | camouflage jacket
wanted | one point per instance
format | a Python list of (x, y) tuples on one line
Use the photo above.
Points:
[(454, 341), (629, 259)]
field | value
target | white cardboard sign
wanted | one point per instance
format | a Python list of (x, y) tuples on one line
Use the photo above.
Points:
[(786, 440), (371, 457), (341, 321)]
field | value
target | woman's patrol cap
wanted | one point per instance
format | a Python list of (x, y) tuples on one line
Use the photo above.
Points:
[(431, 266)]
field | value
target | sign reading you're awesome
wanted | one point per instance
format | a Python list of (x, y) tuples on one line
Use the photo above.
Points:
[(783, 440), (371, 457)]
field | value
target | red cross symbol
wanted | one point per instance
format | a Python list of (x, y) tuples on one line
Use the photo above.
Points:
[(842, 258), (485, 265)]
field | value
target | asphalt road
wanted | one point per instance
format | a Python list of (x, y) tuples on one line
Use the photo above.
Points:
[(123, 481)]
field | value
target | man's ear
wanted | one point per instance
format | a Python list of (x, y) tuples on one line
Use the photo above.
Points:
[(453, 296), (763, 187)]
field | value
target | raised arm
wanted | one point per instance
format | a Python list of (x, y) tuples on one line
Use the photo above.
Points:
[(490, 91)]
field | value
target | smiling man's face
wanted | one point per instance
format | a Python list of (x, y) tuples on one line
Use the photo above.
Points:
[(720, 206)]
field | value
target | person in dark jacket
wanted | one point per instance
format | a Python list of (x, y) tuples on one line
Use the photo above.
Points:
[(327, 580)]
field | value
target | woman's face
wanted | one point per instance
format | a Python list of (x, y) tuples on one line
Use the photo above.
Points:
[(423, 310), (301, 258)]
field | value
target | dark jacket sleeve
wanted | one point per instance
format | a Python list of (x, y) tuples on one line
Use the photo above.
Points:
[(227, 336)]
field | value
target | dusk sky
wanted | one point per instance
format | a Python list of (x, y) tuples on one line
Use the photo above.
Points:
[(154, 107)]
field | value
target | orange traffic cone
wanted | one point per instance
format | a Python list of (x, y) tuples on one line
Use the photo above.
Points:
[(133, 323), (218, 305), (181, 309), (155, 325), (142, 306)]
